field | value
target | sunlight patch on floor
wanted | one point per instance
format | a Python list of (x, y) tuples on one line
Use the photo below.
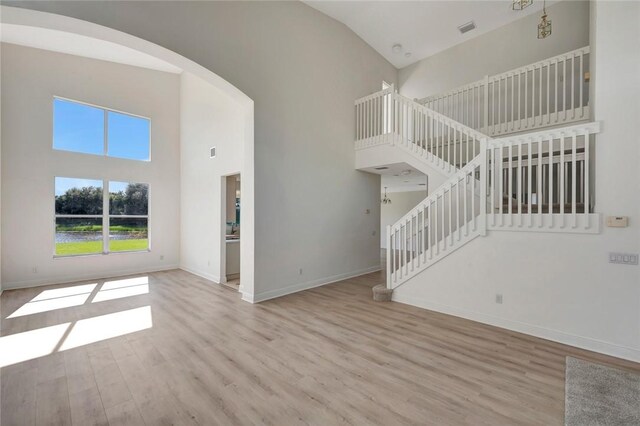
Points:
[(111, 290), (57, 298), (32, 344), (20, 347), (105, 327)]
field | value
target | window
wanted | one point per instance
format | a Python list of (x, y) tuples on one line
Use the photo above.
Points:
[(78, 206), (88, 129), (128, 216), (95, 216)]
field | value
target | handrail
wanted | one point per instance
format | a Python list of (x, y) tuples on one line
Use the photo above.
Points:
[(583, 50), (549, 92), (445, 220), (441, 117), (386, 117), (439, 191), (382, 92), (541, 180), (519, 181), (592, 127)]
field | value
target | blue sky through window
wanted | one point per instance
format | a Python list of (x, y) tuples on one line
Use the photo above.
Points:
[(63, 184), (117, 186), (79, 127), (128, 136)]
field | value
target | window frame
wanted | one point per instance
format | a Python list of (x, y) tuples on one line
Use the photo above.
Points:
[(105, 216), (105, 130)]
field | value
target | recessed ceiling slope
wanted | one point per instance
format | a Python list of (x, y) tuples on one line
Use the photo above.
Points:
[(421, 27), (74, 44)]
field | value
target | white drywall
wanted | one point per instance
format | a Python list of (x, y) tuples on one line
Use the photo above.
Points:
[(303, 70), (30, 79), (502, 49), (561, 286), (401, 203), (209, 118)]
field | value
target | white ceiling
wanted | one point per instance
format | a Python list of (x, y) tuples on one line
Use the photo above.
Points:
[(422, 27), (400, 177), (74, 44)]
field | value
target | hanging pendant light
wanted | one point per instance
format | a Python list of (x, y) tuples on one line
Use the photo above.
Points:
[(385, 200), (544, 27), (521, 4)]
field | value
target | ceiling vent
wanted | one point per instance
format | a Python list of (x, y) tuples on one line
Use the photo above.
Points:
[(381, 168), (465, 28)]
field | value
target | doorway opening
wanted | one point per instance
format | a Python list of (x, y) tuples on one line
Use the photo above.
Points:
[(231, 218)]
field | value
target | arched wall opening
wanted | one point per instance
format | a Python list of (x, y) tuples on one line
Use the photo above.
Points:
[(213, 113)]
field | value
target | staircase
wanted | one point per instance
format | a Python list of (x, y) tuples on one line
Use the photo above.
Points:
[(533, 181)]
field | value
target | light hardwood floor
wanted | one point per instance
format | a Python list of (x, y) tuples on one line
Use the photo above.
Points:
[(324, 356)]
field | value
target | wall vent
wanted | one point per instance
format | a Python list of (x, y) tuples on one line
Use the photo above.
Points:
[(465, 28), (212, 152)]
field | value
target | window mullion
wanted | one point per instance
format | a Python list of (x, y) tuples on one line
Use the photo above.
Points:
[(106, 133), (105, 216)]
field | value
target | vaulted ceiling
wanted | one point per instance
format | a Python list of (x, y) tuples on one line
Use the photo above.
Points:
[(423, 28)]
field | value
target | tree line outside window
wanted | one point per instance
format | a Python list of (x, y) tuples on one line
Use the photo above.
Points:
[(85, 224)]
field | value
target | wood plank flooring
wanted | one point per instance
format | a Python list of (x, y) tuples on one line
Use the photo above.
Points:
[(320, 357)]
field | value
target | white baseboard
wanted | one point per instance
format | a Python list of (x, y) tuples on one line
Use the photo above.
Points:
[(202, 274), (66, 279), (530, 329), (272, 294)]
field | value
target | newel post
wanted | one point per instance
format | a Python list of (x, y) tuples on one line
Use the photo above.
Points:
[(392, 114), (389, 252), (486, 104), (484, 172)]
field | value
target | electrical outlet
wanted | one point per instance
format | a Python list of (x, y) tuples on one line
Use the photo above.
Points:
[(624, 258), (162, 257), (499, 298), (373, 233), (300, 271)]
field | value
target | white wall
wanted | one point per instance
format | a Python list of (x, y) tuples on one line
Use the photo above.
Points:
[(0, 179), (303, 70), (556, 286), (401, 203), (30, 79), (208, 118), (502, 49)]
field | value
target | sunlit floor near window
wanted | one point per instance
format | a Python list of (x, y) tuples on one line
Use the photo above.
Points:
[(32, 344), (19, 347)]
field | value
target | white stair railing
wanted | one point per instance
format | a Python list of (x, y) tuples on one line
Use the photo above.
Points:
[(534, 181), (388, 117), (542, 179), (551, 92), (538, 181), (448, 218)]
